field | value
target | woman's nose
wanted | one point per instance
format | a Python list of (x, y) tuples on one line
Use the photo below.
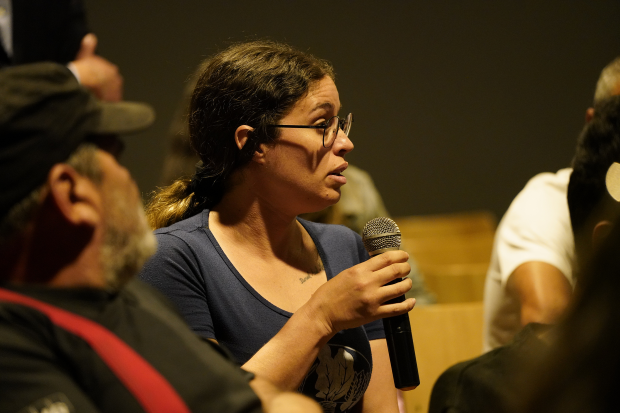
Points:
[(342, 144)]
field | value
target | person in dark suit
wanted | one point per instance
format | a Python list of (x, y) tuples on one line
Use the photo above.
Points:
[(57, 31)]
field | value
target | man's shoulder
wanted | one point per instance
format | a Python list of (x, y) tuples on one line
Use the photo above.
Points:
[(21, 327), (486, 383), (543, 196), (550, 181)]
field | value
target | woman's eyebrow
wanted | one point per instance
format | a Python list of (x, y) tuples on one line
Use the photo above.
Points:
[(328, 106)]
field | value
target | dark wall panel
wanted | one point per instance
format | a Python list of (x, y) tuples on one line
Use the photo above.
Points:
[(457, 104)]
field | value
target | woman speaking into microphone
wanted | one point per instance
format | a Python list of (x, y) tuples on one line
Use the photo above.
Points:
[(296, 302)]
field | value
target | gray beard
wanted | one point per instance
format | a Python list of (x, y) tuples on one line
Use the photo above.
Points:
[(125, 249)]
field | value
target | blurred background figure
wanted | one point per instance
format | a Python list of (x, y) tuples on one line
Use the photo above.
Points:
[(530, 277), (56, 31), (78, 331), (496, 381), (581, 372)]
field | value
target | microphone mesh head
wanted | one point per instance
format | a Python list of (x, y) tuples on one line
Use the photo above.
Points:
[(380, 234)]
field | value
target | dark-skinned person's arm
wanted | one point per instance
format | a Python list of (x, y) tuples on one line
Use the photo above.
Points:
[(542, 290)]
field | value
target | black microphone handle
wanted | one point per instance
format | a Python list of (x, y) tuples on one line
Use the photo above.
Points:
[(400, 347)]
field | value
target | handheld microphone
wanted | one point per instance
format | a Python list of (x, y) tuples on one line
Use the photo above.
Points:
[(381, 235)]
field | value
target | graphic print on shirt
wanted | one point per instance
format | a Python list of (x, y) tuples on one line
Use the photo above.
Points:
[(53, 403), (340, 375)]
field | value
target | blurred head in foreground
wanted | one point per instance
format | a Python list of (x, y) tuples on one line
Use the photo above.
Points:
[(70, 214)]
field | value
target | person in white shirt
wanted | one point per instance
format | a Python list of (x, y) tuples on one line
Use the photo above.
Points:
[(530, 277)]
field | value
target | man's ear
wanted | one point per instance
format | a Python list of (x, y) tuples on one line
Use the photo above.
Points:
[(600, 232), (76, 197)]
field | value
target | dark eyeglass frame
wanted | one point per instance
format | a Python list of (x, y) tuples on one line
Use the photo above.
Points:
[(347, 121)]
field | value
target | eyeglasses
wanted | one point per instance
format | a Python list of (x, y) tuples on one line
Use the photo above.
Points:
[(330, 128)]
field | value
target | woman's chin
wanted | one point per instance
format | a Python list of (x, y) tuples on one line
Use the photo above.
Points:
[(330, 199)]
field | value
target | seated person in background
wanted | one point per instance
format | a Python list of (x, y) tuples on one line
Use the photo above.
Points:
[(530, 277), (581, 372), (56, 31), (493, 381), (360, 200), (78, 333), (295, 301)]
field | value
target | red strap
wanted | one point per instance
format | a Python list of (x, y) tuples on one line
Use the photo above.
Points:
[(148, 386)]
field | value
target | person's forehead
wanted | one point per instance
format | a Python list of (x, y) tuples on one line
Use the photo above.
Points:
[(323, 95)]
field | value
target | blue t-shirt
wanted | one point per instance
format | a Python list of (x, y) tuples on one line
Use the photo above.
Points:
[(192, 270)]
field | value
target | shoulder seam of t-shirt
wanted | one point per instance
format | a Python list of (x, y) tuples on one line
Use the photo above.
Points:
[(171, 230)]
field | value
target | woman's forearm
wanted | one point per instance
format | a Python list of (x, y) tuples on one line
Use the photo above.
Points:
[(353, 298), (287, 357)]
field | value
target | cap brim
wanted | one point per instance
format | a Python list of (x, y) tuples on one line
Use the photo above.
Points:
[(121, 118)]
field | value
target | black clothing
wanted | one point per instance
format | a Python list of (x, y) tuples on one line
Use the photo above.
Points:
[(42, 364), (491, 382), (45, 30)]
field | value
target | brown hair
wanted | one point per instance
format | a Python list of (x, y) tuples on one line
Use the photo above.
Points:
[(255, 84)]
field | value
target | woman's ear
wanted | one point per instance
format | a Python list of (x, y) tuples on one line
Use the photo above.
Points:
[(242, 134), (76, 197), (259, 152)]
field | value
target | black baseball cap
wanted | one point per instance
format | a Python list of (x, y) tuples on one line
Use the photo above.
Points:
[(45, 114)]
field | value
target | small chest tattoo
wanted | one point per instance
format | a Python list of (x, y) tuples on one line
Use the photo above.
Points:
[(317, 268)]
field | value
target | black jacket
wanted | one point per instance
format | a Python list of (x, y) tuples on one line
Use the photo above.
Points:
[(45, 30)]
